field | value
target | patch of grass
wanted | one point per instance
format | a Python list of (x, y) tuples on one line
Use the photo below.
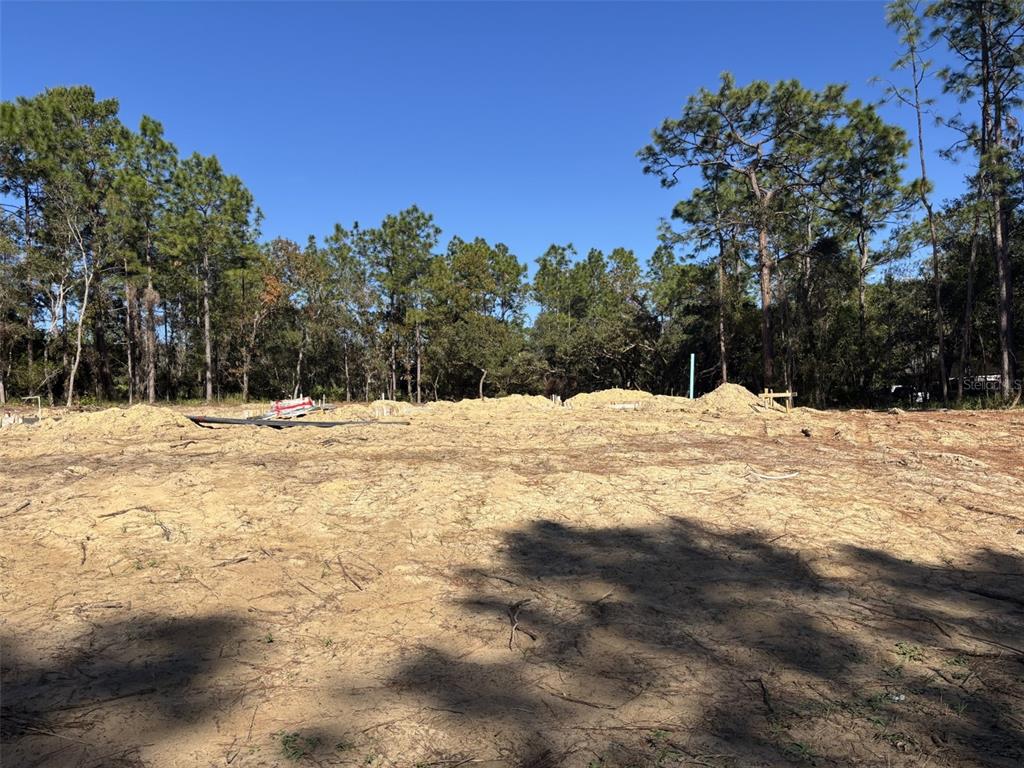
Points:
[(959, 708), (877, 701), (897, 739), (909, 652), (295, 746), (894, 671), (799, 751)]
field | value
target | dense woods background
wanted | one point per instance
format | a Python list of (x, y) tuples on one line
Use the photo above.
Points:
[(812, 256)]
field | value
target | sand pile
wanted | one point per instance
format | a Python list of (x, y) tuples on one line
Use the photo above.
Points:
[(381, 409), (669, 404), (728, 398), (118, 422), (610, 399), (507, 405)]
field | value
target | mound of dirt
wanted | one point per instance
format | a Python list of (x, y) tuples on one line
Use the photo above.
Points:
[(609, 399), (380, 409), (669, 404), (728, 398), (507, 405), (119, 422)]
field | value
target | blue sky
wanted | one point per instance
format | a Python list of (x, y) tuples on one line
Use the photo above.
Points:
[(518, 122)]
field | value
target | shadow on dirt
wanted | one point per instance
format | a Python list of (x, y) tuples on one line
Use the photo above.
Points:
[(147, 678), (669, 645), (681, 645)]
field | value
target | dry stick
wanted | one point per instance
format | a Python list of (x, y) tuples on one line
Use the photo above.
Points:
[(787, 476), (125, 511), (252, 721), (764, 694), (344, 570), (232, 561), (18, 508), (574, 700), (513, 616)]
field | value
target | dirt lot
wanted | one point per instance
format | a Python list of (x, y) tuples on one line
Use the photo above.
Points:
[(513, 584)]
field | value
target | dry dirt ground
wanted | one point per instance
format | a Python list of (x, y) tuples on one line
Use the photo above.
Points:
[(508, 583)]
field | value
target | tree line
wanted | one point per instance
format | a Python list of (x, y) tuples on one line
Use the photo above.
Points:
[(802, 259)]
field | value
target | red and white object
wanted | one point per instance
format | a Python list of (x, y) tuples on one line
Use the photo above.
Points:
[(286, 409)]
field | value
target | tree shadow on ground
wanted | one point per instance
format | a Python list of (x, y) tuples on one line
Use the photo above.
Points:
[(123, 685), (681, 645)]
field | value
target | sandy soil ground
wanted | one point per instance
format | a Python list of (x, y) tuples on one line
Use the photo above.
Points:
[(628, 581)]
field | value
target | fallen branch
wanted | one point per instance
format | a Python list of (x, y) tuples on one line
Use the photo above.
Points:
[(125, 511), (513, 617), (17, 509), (348, 576), (232, 561), (764, 694), (787, 476), (574, 700)]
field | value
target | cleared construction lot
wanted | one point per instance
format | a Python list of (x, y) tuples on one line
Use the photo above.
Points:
[(509, 583)]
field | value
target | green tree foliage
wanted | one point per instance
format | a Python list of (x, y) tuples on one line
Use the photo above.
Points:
[(806, 253), (210, 221)]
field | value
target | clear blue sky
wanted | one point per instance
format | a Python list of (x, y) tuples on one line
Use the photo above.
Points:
[(517, 122)]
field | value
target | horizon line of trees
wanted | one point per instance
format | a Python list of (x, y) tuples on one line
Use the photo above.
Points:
[(129, 272)]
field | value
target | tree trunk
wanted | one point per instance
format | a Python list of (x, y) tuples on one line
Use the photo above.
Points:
[(169, 352), (129, 301), (419, 364), (937, 284), (30, 332), (348, 390), (78, 336), (46, 372), (483, 375), (767, 349), (393, 390), (298, 364), (150, 300), (101, 353), (207, 340), (936, 275), (1004, 274), (246, 361), (722, 356), (65, 351), (965, 342), (863, 259), (1005, 305)]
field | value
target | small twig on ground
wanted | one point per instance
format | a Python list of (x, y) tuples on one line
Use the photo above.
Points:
[(232, 561), (17, 509), (496, 577), (109, 604), (125, 511), (574, 700), (252, 720), (759, 476), (348, 576), (82, 545), (764, 694), (513, 617)]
